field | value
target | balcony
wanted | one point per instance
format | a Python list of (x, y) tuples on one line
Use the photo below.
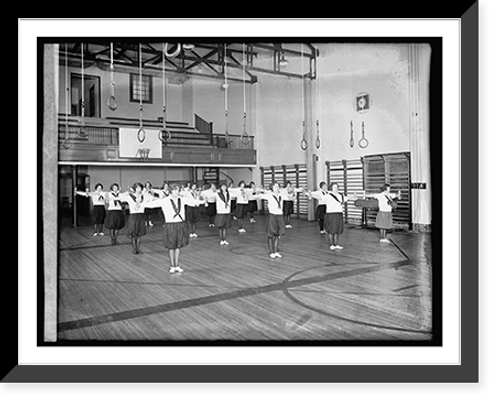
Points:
[(98, 141)]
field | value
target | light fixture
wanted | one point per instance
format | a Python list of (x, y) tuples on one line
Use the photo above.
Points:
[(283, 62), (188, 46)]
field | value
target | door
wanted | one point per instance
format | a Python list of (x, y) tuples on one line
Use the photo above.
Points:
[(91, 95)]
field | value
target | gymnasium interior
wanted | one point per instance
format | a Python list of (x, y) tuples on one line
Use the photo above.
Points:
[(177, 110)]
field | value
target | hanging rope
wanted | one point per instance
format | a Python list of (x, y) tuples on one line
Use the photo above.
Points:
[(318, 107), (245, 139), (141, 133), (67, 141), (225, 86), (164, 135), (363, 142), (351, 141), (303, 143), (82, 132), (112, 105)]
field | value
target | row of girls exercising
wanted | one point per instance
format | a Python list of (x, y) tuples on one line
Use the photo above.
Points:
[(329, 211), (174, 204)]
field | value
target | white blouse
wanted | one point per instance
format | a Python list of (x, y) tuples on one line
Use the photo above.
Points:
[(274, 202), (136, 203), (98, 198), (242, 195), (223, 206), (173, 208), (114, 201), (334, 202), (209, 195)]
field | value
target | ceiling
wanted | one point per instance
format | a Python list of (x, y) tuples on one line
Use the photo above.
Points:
[(232, 61)]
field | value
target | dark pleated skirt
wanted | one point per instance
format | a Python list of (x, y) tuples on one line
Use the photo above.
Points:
[(384, 220), (98, 214), (115, 220), (211, 209), (223, 220), (175, 235), (288, 208), (193, 214), (320, 212), (275, 225), (252, 206), (136, 225), (334, 223), (241, 210)]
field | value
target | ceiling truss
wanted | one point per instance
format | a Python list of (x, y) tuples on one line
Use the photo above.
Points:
[(199, 59)]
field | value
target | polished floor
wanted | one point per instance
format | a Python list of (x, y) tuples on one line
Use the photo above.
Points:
[(369, 291)]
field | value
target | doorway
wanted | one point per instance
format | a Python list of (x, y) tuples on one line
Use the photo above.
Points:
[(91, 93)]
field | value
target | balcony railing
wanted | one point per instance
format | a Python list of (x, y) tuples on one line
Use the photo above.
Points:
[(106, 132)]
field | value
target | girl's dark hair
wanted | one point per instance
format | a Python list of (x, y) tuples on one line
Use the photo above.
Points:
[(322, 184), (112, 185), (241, 182), (384, 187), (333, 183), (98, 184), (138, 184), (287, 182), (251, 183)]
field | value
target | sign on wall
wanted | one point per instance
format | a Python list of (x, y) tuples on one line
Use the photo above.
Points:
[(131, 147)]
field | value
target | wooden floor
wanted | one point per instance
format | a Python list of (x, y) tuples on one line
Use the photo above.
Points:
[(369, 291)]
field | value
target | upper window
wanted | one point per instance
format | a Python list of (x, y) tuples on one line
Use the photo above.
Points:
[(136, 89)]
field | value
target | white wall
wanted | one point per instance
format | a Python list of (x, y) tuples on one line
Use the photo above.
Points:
[(344, 71)]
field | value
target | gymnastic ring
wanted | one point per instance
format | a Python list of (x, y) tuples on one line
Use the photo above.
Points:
[(174, 53), (141, 135), (164, 135), (245, 139), (66, 143), (304, 144), (82, 131), (112, 104), (363, 143)]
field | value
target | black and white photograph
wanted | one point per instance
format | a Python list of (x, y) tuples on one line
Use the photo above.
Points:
[(241, 191), (221, 202)]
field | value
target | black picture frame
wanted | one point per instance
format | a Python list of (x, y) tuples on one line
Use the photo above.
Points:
[(466, 372)]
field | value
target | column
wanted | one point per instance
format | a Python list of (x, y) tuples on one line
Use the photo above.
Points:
[(50, 184), (419, 80), (74, 183), (311, 157)]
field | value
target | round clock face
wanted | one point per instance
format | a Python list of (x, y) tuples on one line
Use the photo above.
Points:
[(362, 103)]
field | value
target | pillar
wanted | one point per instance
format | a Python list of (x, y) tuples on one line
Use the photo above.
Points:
[(49, 190), (74, 183), (420, 163), (310, 155)]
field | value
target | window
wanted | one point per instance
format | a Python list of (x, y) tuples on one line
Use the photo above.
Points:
[(136, 88)]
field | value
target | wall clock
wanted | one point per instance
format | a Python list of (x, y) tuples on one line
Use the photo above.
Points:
[(362, 103)]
